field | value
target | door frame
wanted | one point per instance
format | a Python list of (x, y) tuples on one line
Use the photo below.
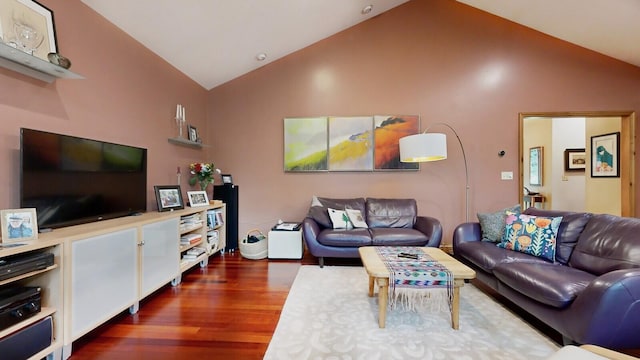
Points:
[(627, 151)]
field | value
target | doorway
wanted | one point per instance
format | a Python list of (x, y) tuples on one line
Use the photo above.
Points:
[(598, 195)]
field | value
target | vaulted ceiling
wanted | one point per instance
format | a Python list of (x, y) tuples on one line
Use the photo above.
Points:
[(215, 41)]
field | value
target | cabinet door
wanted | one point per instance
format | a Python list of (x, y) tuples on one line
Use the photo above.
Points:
[(160, 254), (104, 278)]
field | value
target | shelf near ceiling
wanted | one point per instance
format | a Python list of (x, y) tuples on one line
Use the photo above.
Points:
[(33, 66)]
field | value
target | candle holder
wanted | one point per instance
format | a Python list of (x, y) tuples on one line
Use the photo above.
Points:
[(180, 119), (179, 123)]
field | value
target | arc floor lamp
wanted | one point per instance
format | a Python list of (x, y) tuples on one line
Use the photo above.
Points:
[(427, 147)]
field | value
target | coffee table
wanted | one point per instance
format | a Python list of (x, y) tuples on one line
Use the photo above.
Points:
[(379, 274)]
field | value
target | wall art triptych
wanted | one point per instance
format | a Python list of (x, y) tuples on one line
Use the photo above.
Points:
[(354, 143)]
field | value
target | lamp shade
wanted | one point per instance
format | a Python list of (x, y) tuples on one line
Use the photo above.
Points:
[(423, 147)]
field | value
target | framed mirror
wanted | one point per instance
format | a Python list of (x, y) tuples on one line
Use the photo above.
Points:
[(535, 165)]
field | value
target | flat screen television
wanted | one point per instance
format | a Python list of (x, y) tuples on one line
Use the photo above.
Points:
[(71, 180)]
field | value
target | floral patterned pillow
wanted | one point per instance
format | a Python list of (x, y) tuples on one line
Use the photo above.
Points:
[(533, 235)]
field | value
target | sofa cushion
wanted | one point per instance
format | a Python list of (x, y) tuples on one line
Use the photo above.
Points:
[(551, 284), (492, 224), (318, 210), (397, 237), (534, 235), (487, 255), (354, 203), (344, 238), (608, 243), (391, 213), (571, 227)]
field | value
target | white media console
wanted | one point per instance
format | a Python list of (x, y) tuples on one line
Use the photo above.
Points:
[(106, 267)]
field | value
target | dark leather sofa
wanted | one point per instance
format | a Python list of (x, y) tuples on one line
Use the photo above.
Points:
[(590, 294), (391, 222)]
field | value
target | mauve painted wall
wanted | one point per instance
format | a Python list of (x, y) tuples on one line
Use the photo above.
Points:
[(438, 59), (129, 96), (429, 58)]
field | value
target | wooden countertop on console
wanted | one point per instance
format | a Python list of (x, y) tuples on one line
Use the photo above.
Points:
[(83, 231)]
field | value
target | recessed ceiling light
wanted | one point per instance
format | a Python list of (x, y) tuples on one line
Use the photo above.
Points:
[(367, 9), (261, 56)]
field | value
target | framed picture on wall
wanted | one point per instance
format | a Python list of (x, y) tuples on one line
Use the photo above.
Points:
[(575, 160), (535, 166), (605, 155), (305, 144), (28, 26), (388, 129)]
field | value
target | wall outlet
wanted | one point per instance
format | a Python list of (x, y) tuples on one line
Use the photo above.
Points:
[(506, 175)]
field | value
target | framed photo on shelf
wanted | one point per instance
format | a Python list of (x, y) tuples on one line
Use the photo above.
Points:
[(19, 224), (605, 155), (575, 160), (535, 166), (227, 179), (28, 26), (193, 133), (168, 197), (197, 198)]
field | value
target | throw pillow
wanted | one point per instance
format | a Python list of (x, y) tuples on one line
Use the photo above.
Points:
[(340, 219), (355, 216), (320, 215), (492, 224), (315, 201), (533, 235)]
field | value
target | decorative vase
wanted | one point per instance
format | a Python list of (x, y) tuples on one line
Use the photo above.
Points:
[(204, 184)]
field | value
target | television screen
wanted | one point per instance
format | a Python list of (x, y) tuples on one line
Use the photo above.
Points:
[(72, 180)]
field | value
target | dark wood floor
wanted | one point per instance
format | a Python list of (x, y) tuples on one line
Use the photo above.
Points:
[(228, 310)]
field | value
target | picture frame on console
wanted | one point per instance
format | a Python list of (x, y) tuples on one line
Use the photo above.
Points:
[(28, 17), (197, 198), (227, 179), (19, 224), (168, 197)]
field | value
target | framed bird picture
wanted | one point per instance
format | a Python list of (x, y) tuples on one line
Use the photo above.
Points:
[(605, 155)]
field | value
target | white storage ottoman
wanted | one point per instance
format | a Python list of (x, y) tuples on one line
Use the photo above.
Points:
[(285, 244)]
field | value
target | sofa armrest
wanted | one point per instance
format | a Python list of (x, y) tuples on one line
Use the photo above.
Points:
[(431, 227), (466, 232), (612, 302), (310, 229)]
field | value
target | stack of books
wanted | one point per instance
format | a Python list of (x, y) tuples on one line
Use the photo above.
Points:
[(212, 240), (193, 253), (190, 239), (190, 221)]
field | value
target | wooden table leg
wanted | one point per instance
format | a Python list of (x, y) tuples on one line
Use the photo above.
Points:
[(371, 281), (383, 298), (455, 309)]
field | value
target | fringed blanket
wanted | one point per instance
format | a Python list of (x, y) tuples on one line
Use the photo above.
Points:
[(416, 283)]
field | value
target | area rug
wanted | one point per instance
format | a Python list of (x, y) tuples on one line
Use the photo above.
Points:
[(328, 315)]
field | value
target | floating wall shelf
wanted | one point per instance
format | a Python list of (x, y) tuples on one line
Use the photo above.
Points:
[(185, 142), (33, 66)]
